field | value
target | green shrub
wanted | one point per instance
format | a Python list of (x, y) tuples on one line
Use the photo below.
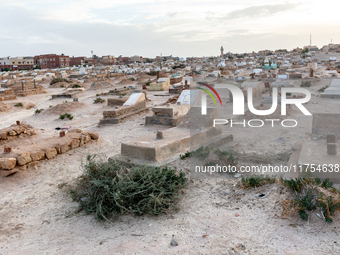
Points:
[(59, 79), (255, 181), (98, 100), (186, 155), (201, 152), (132, 79), (227, 157), (147, 83), (306, 200), (108, 189), (66, 115), (38, 111), (76, 86), (328, 206), (323, 88), (19, 105)]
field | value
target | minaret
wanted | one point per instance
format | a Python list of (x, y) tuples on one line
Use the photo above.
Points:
[(222, 51)]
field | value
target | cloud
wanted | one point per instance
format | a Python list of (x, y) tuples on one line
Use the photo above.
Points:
[(260, 11)]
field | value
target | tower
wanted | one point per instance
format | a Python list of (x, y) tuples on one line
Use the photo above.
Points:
[(222, 51), (310, 40)]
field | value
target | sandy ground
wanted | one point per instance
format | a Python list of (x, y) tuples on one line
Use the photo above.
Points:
[(37, 217)]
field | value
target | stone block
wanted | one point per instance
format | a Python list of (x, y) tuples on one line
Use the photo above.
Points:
[(3, 136), (7, 163), (331, 138), (37, 155), (75, 143), (331, 149), (51, 153), (24, 158), (6, 173), (94, 136)]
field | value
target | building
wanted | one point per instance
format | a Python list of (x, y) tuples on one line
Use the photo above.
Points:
[(22, 63), (222, 51), (135, 58), (109, 59), (16, 63), (52, 61), (311, 48), (265, 52), (77, 61), (5, 63), (123, 60), (331, 47)]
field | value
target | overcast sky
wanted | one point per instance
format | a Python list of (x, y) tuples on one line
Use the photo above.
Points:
[(180, 28)]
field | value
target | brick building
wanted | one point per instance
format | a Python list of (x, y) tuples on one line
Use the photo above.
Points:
[(52, 61), (76, 61)]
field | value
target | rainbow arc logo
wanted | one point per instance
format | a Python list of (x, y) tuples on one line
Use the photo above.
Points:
[(209, 93)]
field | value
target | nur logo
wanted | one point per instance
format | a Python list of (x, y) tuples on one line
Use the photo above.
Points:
[(204, 99), (238, 99)]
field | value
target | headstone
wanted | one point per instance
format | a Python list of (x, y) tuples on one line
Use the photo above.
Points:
[(331, 138), (160, 135), (331, 149), (134, 98)]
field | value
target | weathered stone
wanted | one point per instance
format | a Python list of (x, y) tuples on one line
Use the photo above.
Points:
[(31, 132), (19, 130), (37, 155), (24, 158), (3, 136), (331, 149), (62, 134), (94, 136), (12, 133), (331, 138), (33, 164), (62, 148), (6, 173), (87, 138), (7, 163), (82, 140), (11, 138), (75, 143), (51, 153), (77, 130)]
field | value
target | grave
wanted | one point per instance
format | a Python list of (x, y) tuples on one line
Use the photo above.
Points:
[(194, 130), (135, 104), (162, 84), (7, 94), (69, 93), (184, 84), (256, 89), (321, 153), (169, 115), (28, 89), (120, 91), (18, 153), (333, 91)]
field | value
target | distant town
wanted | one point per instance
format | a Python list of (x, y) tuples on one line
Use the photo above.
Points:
[(52, 61)]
